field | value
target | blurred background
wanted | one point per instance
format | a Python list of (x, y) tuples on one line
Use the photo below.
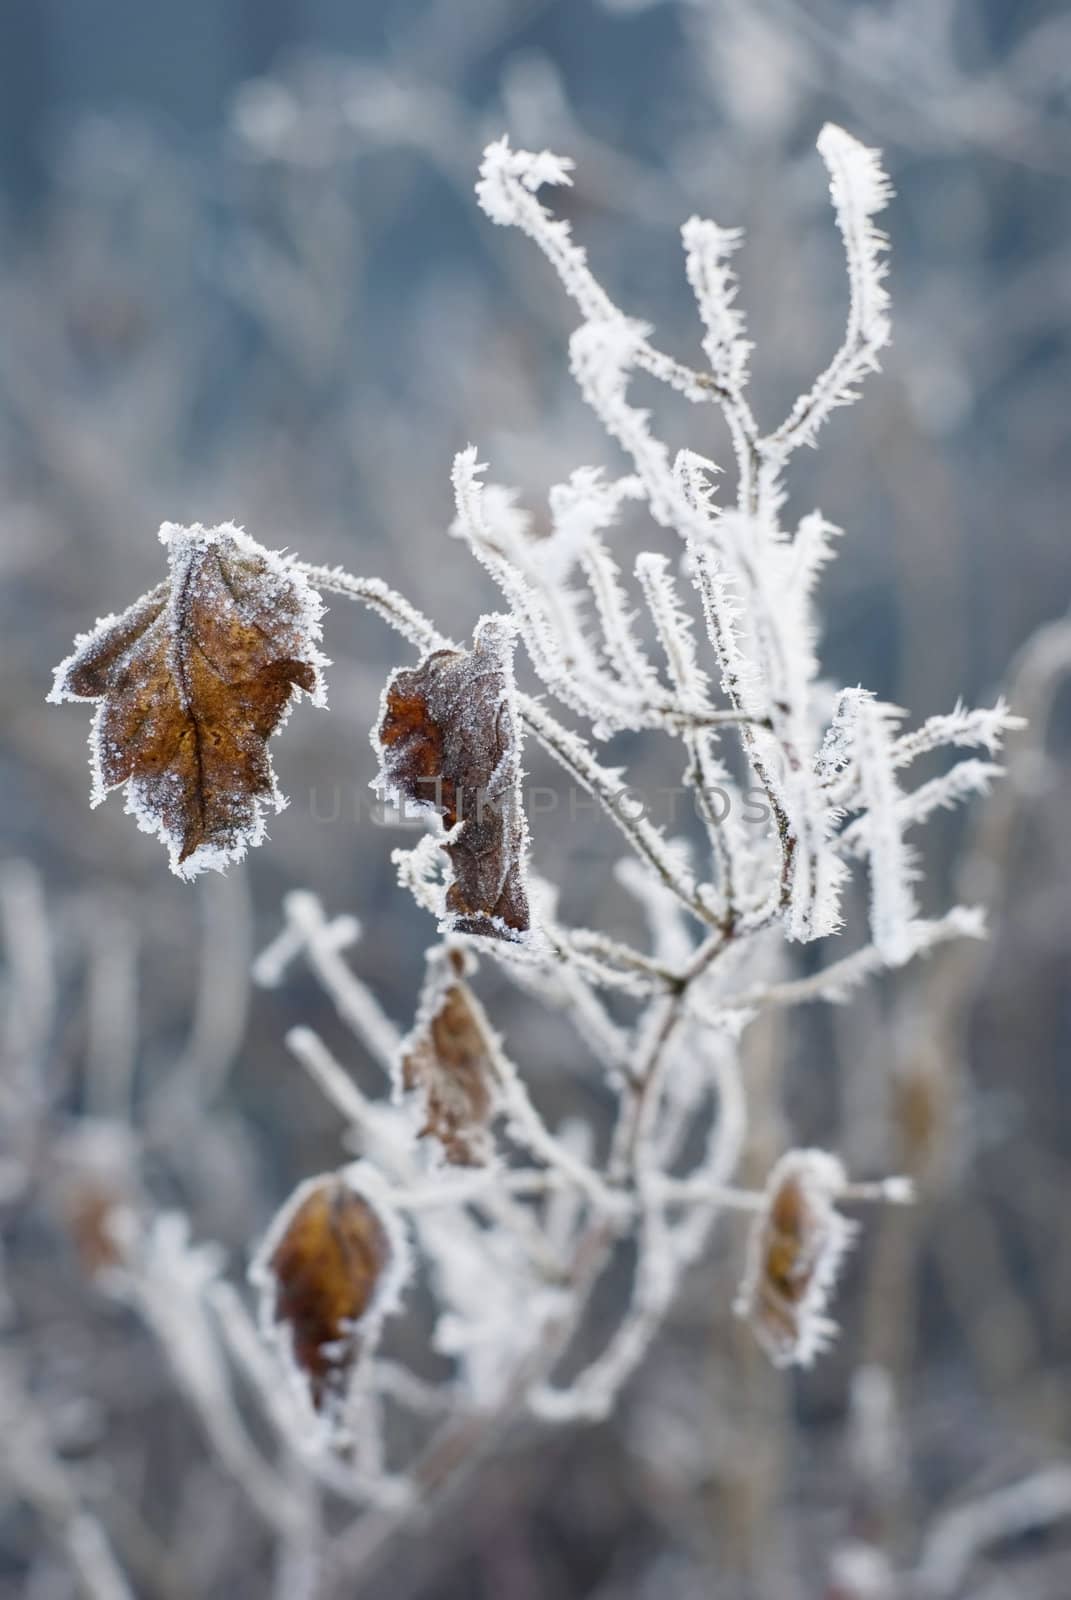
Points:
[(243, 275)]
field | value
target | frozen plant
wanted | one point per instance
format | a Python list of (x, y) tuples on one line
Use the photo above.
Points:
[(512, 1221)]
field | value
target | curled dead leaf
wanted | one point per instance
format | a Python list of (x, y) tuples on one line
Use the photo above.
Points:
[(449, 742), (326, 1273), (191, 681), (91, 1210), (796, 1246), (97, 1191), (447, 1061)]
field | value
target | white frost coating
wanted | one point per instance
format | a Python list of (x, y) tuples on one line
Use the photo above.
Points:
[(60, 690), (811, 550), (964, 780), (892, 868), (602, 354), (986, 726), (708, 248), (622, 649), (421, 871), (741, 680), (580, 510), (307, 931), (674, 629), (503, 170), (545, 613), (304, 611), (270, 967), (860, 190), (694, 476), (507, 192), (835, 759), (835, 983), (494, 1307), (533, 576), (584, 506)]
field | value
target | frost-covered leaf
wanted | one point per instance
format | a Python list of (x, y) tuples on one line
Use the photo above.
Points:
[(447, 1062), (191, 681), (328, 1271), (449, 741), (797, 1243)]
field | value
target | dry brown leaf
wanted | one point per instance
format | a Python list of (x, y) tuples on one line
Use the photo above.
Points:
[(449, 741), (97, 1191), (796, 1246), (192, 680), (324, 1271), (448, 1062)]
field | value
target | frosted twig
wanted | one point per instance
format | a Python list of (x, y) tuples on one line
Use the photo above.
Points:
[(507, 192), (353, 1000), (604, 784), (835, 982), (986, 726), (860, 190), (38, 1478), (380, 598), (960, 1536), (166, 1279), (961, 782), (336, 1085), (892, 870), (516, 1221), (528, 1127)]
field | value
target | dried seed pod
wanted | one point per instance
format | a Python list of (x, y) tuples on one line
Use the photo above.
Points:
[(328, 1271), (448, 1061), (796, 1246)]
